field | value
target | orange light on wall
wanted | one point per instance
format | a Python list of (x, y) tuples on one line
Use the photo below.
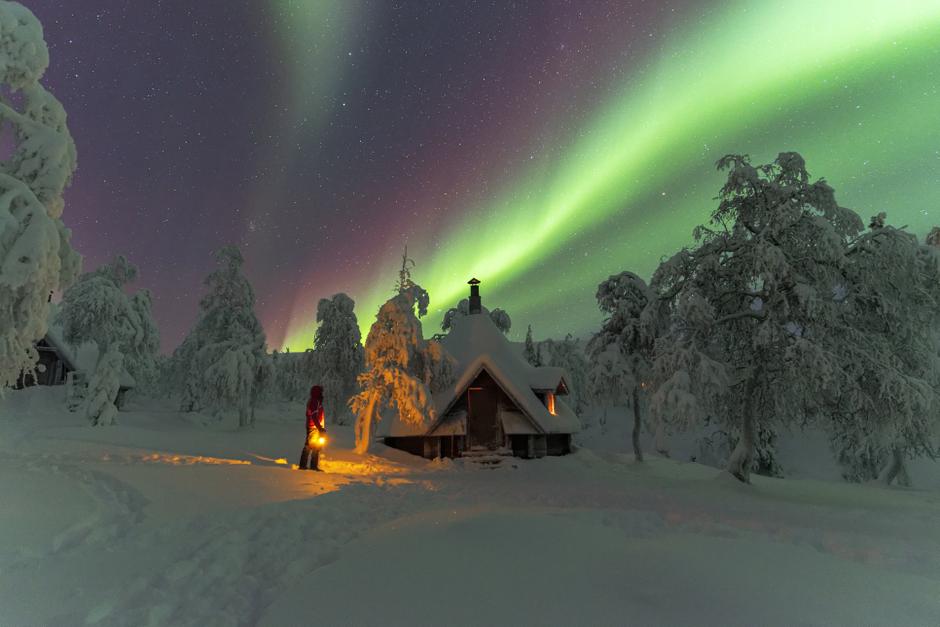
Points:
[(550, 402)]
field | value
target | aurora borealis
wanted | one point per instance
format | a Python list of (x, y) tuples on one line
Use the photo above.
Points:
[(539, 146)]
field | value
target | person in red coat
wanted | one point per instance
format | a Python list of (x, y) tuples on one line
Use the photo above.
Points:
[(310, 457)]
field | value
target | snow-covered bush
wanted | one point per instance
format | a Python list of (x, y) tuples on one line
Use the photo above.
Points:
[(35, 256), (402, 368), (222, 364), (339, 354), (751, 343)]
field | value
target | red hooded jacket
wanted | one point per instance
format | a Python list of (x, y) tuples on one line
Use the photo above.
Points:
[(315, 409)]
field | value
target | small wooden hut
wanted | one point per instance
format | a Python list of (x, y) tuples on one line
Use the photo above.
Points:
[(498, 404)]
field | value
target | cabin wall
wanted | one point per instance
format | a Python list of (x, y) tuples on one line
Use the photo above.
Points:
[(558, 443), (451, 446), (429, 447), (520, 445)]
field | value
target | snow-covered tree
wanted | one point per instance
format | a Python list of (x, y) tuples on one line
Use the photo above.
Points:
[(933, 238), (339, 354), (621, 353), (751, 341), (222, 364), (141, 356), (569, 354), (402, 369), (292, 375), (887, 412), (99, 407), (499, 317), (531, 350), (406, 284), (37, 164), (97, 309)]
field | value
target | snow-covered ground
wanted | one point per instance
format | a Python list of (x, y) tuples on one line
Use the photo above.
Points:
[(163, 520)]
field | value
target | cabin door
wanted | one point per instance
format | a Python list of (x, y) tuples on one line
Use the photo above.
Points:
[(483, 419)]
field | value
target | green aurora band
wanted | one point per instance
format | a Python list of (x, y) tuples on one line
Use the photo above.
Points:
[(852, 85)]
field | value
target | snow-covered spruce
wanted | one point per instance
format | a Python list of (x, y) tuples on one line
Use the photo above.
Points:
[(222, 364), (752, 337), (530, 349), (35, 256), (402, 370), (339, 354), (97, 310)]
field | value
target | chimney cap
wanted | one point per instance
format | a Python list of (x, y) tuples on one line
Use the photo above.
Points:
[(474, 281)]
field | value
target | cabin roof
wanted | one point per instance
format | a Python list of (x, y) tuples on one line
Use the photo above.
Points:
[(548, 379)]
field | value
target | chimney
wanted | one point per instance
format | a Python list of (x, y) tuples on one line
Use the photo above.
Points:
[(475, 305)]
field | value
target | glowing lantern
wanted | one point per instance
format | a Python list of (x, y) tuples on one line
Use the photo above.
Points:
[(316, 439)]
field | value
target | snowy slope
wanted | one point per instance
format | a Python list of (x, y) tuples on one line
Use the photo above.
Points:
[(162, 520)]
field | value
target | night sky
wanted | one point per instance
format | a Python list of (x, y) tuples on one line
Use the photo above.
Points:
[(539, 146)]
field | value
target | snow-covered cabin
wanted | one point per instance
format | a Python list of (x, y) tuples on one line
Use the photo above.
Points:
[(498, 402), (58, 359)]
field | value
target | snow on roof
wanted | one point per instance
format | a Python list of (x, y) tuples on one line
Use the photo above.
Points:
[(477, 344), (453, 424), (390, 426), (66, 353), (516, 423), (82, 358), (550, 378)]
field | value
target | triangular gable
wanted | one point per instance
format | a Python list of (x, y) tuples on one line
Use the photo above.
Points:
[(469, 376)]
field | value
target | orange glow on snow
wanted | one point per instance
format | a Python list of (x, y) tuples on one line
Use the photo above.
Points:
[(174, 459)]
